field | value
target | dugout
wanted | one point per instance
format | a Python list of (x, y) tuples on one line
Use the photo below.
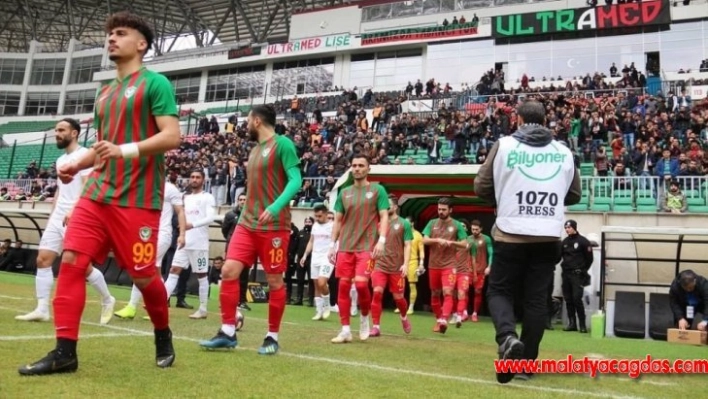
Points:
[(418, 188), (638, 265)]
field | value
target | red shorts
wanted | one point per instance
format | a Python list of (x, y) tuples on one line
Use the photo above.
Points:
[(478, 283), (442, 278), (271, 247), (463, 282), (96, 228), (396, 283), (353, 264)]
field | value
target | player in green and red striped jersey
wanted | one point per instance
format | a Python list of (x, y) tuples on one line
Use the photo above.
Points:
[(391, 268), (444, 235), (136, 123), (358, 209), (263, 229)]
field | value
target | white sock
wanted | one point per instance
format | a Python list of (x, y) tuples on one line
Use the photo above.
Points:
[(43, 285), (97, 281), (171, 283), (272, 335), (325, 302), (228, 329), (346, 330), (203, 293), (376, 326), (135, 296), (318, 304)]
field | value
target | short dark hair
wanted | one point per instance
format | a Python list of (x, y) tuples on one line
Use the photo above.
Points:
[(362, 156), (73, 123), (265, 112), (125, 19), (445, 201), (200, 171), (320, 208), (219, 258), (393, 198), (476, 223), (532, 111)]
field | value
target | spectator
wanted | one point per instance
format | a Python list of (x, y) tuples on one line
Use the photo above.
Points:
[(674, 201), (688, 297), (15, 259)]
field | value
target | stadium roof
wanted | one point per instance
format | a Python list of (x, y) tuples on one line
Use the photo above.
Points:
[(55, 22)]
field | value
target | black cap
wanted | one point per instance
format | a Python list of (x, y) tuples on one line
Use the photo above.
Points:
[(572, 223)]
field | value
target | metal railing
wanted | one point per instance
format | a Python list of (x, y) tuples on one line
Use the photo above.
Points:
[(635, 192), (600, 193), (405, 9), (15, 185)]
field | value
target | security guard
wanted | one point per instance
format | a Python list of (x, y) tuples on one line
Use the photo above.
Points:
[(577, 260)]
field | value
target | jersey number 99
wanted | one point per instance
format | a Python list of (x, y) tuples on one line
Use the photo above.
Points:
[(143, 252)]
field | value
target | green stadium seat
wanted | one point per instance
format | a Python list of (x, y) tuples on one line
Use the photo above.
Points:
[(696, 201), (646, 201), (602, 200), (647, 208), (622, 208), (697, 208), (578, 207), (600, 207), (623, 197)]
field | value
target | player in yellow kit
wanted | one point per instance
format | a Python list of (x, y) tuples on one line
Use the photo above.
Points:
[(415, 265)]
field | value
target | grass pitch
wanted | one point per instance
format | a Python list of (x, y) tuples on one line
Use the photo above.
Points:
[(118, 360)]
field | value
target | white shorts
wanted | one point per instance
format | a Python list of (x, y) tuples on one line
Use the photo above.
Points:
[(163, 244), (196, 258), (53, 235), (320, 268)]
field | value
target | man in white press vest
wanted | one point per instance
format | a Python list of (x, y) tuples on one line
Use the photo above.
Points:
[(530, 178)]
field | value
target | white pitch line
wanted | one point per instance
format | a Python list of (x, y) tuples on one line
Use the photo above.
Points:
[(377, 367), (393, 369), (81, 336)]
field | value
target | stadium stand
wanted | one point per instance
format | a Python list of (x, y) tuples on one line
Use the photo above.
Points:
[(616, 130)]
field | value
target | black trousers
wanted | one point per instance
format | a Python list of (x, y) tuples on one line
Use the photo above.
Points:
[(301, 274), (526, 269), (573, 295)]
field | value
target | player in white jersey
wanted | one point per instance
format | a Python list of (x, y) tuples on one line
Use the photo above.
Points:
[(50, 245), (171, 205), (320, 267), (199, 212)]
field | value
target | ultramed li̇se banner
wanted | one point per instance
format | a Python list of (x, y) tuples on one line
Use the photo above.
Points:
[(617, 16), (433, 32)]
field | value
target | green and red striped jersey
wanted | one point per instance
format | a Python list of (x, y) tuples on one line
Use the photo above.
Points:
[(399, 233), (125, 112), (464, 260), (360, 207), (481, 250), (451, 230), (267, 177)]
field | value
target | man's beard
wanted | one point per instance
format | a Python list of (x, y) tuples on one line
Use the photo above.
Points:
[(114, 57), (253, 134), (443, 217), (61, 144)]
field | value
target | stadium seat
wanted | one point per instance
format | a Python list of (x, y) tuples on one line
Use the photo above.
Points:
[(660, 316), (622, 197), (698, 208), (647, 208), (600, 207), (578, 207), (622, 208), (630, 317)]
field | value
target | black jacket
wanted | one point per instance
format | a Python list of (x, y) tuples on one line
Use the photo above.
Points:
[(679, 300), (228, 225), (577, 253)]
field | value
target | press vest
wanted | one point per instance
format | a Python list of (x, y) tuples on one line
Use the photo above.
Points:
[(530, 185)]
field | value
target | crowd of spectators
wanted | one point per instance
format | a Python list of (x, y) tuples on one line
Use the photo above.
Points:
[(620, 132)]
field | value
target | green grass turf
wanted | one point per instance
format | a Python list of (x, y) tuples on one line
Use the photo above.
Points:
[(118, 359)]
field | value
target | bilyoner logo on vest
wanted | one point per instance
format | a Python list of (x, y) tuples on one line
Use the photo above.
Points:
[(538, 166)]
